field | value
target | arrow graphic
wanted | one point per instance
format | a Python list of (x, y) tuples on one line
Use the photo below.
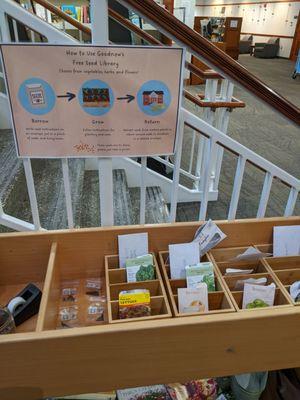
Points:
[(68, 95), (128, 97)]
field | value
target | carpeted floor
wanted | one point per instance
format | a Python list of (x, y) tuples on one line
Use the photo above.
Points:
[(267, 133)]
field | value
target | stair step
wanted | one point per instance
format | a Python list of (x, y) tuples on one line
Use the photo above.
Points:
[(10, 165), (49, 190), (90, 203), (156, 207), (123, 214), (76, 175), (90, 209)]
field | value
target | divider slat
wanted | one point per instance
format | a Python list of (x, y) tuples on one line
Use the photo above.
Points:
[(47, 287)]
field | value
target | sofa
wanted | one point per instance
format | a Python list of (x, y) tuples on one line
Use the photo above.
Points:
[(267, 50), (245, 44)]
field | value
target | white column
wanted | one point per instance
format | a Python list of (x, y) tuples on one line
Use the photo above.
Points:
[(99, 16)]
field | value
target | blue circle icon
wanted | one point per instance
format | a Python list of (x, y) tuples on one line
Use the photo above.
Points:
[(37, 96), (154, 98), (96, 97)]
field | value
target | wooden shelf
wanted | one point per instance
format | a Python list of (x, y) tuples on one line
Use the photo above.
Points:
[(47, 362)]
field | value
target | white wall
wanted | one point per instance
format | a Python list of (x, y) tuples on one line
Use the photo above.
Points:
[(190, 9), (265, 18)]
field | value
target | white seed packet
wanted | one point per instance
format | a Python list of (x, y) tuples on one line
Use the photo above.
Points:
[(239, 284), (237, 271), (131, 246), (295, 291), (193, 300), (208, 236), (181, 255), (256, 296), (286, 241), (251, 254)]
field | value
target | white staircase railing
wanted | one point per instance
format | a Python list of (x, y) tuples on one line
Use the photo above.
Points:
[(202, 160)]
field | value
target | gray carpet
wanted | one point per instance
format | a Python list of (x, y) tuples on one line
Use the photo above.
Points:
[(262, 130)]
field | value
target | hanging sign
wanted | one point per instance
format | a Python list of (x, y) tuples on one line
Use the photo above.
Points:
[(90, 101)]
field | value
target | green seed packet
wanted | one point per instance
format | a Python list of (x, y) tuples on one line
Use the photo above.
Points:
[(140, 268), (202, 272)]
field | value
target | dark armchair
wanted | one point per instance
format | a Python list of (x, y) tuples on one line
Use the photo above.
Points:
[(267, 50), (245, 44)]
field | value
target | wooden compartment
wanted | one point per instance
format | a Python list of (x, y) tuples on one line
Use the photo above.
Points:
[(71, 270), (280, 301), (116, 281), (287, 271), (258, 267), (265, 248), (55, 363), (227, 254), (231, 281), (281, 298), (218, 301), (283, 263), (20, 266)]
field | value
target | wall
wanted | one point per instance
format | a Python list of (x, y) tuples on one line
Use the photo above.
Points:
[(190, 9), (273, 18)]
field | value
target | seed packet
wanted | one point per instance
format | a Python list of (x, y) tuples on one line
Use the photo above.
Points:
[(239, 284), (295, 291), (202, 389), (200, 272), (237, 271), (251, 254), (68, 317), (156, 392), (69, 291), (256, 296), (208, 236), (95, 312), (193, 300), (134, 303), (140, 268)]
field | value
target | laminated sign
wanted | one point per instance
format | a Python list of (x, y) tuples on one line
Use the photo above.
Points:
[(89, 101)]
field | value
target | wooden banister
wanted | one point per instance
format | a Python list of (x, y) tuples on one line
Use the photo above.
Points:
[(208, 74), (214, 57), (199, 101)]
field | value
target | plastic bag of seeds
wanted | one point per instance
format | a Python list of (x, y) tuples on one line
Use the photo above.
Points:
[(69, 292), (68, 317)]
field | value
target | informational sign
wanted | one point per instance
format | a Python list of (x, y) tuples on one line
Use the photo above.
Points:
[(90, 101)]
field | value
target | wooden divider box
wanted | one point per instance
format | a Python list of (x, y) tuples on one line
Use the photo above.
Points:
[(18, 267), (287, 271), (116, 281), (71, 270), (218, 301), (223, 258)]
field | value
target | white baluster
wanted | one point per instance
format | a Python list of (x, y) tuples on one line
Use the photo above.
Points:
[(68, 197), (238, 179), (211, 148), (176, 170), (143, 190), (289, 209), (99, 16), (32, 193), (265, 194), (4, 29)]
